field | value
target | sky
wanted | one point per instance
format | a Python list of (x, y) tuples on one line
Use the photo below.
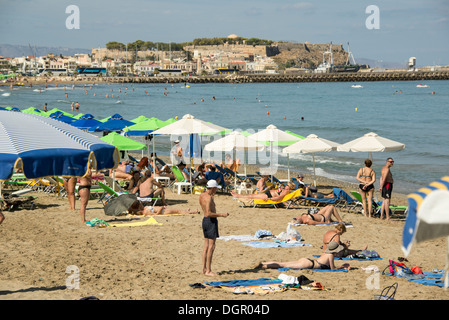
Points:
[(405, 28)]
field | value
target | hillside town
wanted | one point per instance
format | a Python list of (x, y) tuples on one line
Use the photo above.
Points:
[(231, 56)]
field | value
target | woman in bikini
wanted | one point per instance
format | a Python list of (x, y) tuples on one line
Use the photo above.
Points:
[(69, 184), (321, 217), (366, 176), (275, 195), (334, 235), (325, 261), (85, 184)]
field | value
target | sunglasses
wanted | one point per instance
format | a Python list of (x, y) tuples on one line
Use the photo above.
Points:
[(391, 161)]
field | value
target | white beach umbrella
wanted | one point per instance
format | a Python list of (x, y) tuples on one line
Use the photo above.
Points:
[(189, 125), (371, 142), (273, 136), (312, 144), (235, 141)]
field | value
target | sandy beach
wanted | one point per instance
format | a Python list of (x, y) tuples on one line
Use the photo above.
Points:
[(159, 262)]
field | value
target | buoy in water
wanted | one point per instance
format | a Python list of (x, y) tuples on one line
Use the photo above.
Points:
[(356, 109), (268, 113), (176, 117)]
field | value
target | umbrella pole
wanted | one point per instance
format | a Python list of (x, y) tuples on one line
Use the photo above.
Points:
[(271, 160), (154, 161), (288, 166), (235, 171), (446, 274), (246, 159), (314, 173), (113, 179)]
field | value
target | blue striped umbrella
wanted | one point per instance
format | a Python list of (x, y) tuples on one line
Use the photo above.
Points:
[(427, 216), (42, 147), (114, 123)]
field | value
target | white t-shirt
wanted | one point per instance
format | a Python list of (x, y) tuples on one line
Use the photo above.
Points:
[(175, 158)]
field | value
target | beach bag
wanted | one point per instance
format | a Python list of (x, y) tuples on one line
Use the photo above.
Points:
[(198, 190), (387, 293), (367, 254), (292, 233)]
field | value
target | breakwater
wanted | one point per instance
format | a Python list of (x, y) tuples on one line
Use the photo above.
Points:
[(272, 78), (253, 78)]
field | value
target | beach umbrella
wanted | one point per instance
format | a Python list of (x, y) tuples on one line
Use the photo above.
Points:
[(58, 115), (42, 147), (371, 142), (427, 217), (233, 142), (50, 112), (188, 125), (85, 122), (123, 143), (139, 119), (115, 123), (119, 204), (32, 110), (78, 116), (312, 144), (272, 136), (142, 128)]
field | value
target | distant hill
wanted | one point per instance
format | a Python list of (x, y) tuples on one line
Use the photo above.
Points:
[(8, 50)]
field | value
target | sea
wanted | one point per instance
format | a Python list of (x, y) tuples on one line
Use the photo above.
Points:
[(402, 111)]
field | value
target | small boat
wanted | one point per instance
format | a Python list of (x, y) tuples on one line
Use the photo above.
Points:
[(356, 86), (422, 86)]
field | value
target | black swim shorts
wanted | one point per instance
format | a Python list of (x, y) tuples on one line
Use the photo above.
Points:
[(210, 228), (367, 188), (387, 189)]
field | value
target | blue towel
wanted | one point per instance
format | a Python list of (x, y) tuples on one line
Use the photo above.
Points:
[(274, 244), (428, 278), (320, 270), (244, 283), (341, 194)]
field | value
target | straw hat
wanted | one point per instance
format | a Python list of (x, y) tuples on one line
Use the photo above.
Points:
[(334, 247)]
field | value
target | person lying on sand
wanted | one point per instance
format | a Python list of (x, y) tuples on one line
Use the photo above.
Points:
[(325, 261), (139, 209), (321, 217), (153, 211), (334, 235)]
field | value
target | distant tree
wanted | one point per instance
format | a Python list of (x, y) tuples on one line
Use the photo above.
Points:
[(113, 45)]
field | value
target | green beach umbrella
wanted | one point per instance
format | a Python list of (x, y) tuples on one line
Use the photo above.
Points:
[(139, 119), (32, 110), (123, 143), (49, 112)]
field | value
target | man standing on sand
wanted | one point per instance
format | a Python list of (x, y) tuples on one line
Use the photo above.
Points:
[(210, 225), (386, 188)]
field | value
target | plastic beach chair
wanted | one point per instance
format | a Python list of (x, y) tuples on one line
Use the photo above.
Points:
[(181, 183)]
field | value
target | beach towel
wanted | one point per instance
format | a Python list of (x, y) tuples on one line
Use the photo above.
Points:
[(148, 222), (347, 224), (265, 245), (244, 283), (259, 235), (400, 270)]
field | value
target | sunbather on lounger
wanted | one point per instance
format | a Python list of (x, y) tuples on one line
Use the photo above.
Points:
[(334, 235), (325, 261), (312, 192), (321, 217), (274, 195)]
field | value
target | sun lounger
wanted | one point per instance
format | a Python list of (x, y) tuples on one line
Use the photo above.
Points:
[(287, 198)]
